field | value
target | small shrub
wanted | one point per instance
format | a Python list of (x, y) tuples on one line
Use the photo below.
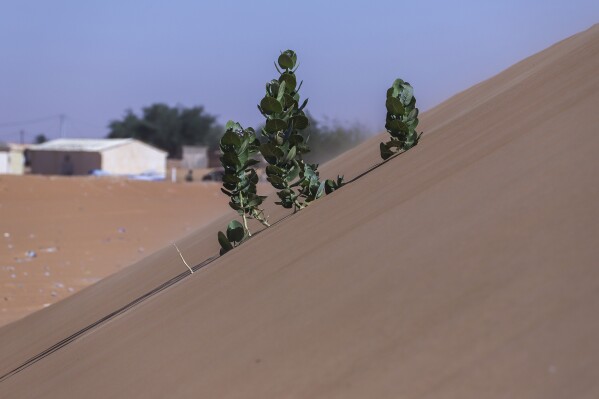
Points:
[(298, 182), (402, 119), (239, 146)]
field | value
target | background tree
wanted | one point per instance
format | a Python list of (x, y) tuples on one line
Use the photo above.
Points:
[(40, 139), (169, 128), (327, 140)]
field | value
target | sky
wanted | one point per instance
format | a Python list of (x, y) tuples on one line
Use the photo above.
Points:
[(93, 60)]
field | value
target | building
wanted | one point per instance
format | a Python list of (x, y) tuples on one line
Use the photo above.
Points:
[(12, 160), (194, 157), (85, 156)]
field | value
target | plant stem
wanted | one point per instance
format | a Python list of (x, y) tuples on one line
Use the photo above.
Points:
[(258, 214), (245, 222), (182, 258)]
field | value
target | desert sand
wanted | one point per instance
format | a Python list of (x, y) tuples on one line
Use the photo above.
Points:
[(464, 268), (58, 235)]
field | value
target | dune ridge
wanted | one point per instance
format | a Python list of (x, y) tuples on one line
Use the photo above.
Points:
[(463, 268)]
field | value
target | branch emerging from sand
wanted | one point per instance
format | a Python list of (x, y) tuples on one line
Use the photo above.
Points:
[(182, 258)]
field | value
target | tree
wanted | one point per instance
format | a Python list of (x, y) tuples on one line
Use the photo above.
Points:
[(169, 128), (40, 138), (329, 140)]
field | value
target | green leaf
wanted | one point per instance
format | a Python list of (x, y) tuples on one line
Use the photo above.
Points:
[(224, 243), (303, 148), (277, 182), (290, 81), (290, 102), (293, 56), (230, 159), (228, 178), (300, 122), (407, 94), (397, 84), (413, 114), (385, 152), (394, 106), (293, 172), (412, 103), (243, 147), (286, 61), (254, 200), (235, 206), (232, 125), (290, 155), (303, 104), (295, 139), (270, 105), (235, 231), (332, 185), (394, 143), (232, 187), (412, 123), (271, 150), (250, 162), (321, 190), (231, 138), (397, 126), (253, 176), (272, 170), (272, 88), (274, 125), (309, 171), (281, 92), (287, 193), (242, 158), (287, 198)]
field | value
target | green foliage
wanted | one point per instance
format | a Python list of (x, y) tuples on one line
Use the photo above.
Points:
[(328, 139), (285, 143), (298, 182), (402, 119), (234, 236), (169, 128), (239, 146), (332, 185)]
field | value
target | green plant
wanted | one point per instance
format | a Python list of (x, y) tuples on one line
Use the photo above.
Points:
[(402, 119), (298, 182), (332, 185), (238, 146), (234, 236)]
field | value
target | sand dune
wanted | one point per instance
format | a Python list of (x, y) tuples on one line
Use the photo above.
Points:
[(466, 267)]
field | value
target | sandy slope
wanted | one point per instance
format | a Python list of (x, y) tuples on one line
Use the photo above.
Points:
[(77, 231), (464, 268)]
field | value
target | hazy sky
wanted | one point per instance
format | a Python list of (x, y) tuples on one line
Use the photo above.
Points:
[(92, 60)]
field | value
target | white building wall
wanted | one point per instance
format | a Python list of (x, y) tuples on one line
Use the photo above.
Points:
[(16, 162), (133, 158), (4, 162), (195, 157)]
